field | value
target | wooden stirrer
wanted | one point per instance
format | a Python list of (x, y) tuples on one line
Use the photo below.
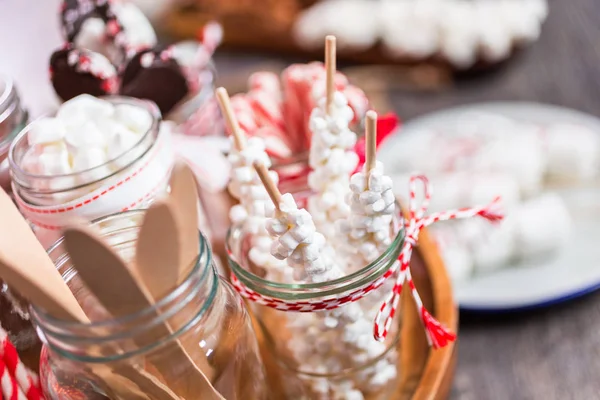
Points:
[(370, 141), (330, 68), (184, 199), (272, 189), (230, 118)]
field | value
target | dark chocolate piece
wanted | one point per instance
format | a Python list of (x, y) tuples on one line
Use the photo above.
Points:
[(155, 75), (75, 71)]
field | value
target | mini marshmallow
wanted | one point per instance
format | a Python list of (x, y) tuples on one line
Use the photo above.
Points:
[(53, 163), (368, 228), (85, 105), (135, 118), (88, 158), (121, 142), (45, 131), (87, 135)]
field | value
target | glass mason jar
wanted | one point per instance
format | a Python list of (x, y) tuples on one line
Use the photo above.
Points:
[(204, 311), (129, 181), (310, 355)]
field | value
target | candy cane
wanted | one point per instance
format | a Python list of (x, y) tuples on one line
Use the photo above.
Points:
[(17, 381)]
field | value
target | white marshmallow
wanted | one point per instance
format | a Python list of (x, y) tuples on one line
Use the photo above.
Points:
[(87, 135), (89, 106), (88, 158), (121, 142), (135, 118), (45, 131), (54, 163)]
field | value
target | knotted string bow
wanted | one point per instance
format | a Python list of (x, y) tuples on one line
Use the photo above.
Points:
[(437, 335)]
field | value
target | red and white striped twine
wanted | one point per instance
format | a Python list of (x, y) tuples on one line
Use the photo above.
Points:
[(437, 335), (17, 382)]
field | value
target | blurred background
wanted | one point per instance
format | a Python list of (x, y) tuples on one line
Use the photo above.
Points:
[(504, 93)]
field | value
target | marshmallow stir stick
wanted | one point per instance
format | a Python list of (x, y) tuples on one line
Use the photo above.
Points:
[(332, 157), (246, 186), (298, 241), (372, 203)]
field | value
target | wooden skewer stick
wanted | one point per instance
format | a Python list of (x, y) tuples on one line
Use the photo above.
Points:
[(272, 189), (330, 67), (232, 123), (371, 141)]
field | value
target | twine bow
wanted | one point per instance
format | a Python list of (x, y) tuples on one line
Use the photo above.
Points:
[(437, 335)]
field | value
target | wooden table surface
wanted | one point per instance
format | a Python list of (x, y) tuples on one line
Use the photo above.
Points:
[(542, 355)]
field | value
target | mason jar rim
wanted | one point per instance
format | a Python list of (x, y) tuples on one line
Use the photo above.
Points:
[(9, 103), (307, 291), (19, 173), (6, 93), (60, 328)]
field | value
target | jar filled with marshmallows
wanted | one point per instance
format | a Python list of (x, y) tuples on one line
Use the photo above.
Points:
[(317, 337), (93, 158)]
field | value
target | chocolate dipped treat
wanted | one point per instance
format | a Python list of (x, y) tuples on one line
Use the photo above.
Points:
[(155, 75), (76, 71)]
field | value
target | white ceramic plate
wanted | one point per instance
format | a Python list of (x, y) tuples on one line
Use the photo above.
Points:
[(572, 273)]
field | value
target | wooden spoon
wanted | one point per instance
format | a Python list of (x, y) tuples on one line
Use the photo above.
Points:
[(26, 267), (184, 198), (124, 294)]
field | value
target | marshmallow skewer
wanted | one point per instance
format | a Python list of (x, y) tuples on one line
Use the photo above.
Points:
[(245, 185), (372, 204), (332, 157)]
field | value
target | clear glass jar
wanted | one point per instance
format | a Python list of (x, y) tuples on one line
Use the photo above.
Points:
[(204, 312), (290, 339), (130, 181), (13, 118)]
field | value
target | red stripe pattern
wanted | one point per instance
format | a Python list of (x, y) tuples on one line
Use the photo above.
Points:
[(437, 335), (17, 382)]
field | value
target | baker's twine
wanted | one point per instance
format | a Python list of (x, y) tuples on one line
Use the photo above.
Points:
[(17, 382), (437, 334)]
